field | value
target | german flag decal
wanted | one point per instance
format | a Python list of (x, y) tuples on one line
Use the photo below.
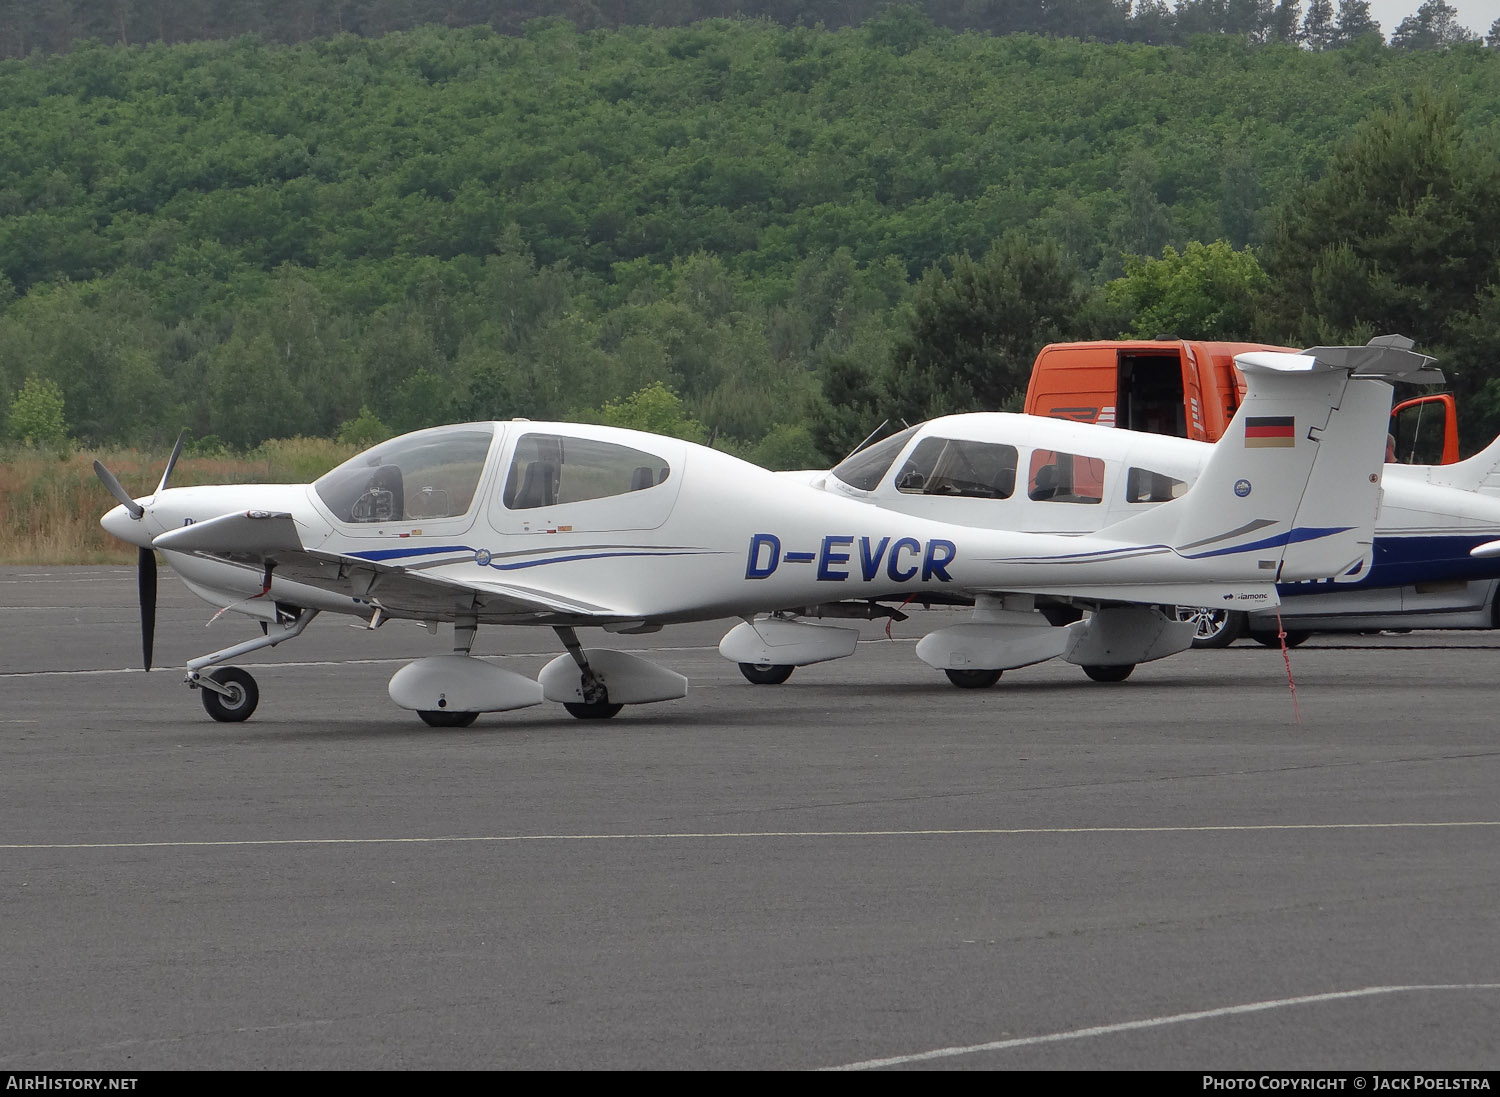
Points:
[(1268, 431)]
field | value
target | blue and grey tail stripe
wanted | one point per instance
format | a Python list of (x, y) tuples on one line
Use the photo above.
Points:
[(1295, 536), (1281, 540)]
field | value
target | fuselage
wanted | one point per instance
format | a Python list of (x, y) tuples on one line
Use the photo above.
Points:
[(558, 523), (1424, 531)]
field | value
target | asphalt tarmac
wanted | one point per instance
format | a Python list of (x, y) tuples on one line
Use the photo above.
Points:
[(864, 867)]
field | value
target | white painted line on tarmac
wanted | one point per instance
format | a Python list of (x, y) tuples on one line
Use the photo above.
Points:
[(1154, 1022), (166, 672), (711, 835), (547, 653)]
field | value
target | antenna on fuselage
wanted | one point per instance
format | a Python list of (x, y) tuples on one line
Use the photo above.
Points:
[(868, 439)]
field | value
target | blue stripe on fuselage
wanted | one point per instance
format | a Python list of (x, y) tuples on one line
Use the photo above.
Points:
[(377, 555), (1400, 561), (1296, 536)]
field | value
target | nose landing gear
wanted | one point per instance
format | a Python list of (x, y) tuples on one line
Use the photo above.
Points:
[(229, 693)]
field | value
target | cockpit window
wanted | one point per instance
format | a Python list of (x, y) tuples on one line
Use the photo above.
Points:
[(548, 469), (1145, 486), (1065, 477), (865, 469), (418, 477), (951, 466)]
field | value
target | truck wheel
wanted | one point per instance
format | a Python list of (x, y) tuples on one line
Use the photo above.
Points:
[(1216, 628)]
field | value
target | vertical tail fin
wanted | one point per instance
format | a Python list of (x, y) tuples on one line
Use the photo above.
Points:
[(1292, 488)]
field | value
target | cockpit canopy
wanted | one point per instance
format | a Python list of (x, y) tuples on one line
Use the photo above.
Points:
[(424, 476)]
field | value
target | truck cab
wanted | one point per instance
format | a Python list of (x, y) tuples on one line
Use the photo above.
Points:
[(1191, 389)]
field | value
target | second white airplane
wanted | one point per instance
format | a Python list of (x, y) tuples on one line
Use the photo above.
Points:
[(1035, 474)]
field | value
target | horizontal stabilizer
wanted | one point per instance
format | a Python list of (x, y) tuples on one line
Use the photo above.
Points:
[(1388, 357)]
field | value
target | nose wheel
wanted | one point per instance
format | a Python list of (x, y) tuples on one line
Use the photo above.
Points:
[(438, 718), (234, 699)]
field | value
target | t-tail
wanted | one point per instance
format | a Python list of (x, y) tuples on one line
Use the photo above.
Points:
[(1292, 488)]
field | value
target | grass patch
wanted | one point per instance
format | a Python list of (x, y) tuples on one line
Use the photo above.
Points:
[(51, 503)]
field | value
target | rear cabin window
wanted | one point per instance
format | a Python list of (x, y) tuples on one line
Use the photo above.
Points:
[(952, 466), (1065, 477), (865, 468), (1145, 486), (548, 469)]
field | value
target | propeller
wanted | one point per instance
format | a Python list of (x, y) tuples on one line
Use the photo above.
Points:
[(107, 478), (145, 579), (145, 565), (171, 463)]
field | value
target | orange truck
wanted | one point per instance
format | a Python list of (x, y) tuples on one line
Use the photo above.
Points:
[(1191, 389)]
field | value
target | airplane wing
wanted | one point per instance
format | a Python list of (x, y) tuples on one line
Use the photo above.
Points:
[(1238, 596), (268, 542)]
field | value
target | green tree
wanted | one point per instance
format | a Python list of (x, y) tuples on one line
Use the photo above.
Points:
[(1434, 26), (36, 415), (1394, 238), (654, 408), (1317, 26), (1209, 291), (364, 430), (787, 447), (1283, 25), (974, 331), (1354, 22)]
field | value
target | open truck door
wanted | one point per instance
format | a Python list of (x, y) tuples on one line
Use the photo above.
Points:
[(1426, 430)]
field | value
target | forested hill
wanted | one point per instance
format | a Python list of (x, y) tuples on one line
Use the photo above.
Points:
[(259, 240), (48, 26)]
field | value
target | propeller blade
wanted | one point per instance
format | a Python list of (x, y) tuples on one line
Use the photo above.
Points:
[(171, 462), (107, 478), (146, 581)]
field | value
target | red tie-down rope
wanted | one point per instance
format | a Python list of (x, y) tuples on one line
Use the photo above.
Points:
[(899, 608), (1286, 657)]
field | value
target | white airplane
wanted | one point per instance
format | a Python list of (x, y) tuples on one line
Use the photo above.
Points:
[(570, 526), (1436, 524)]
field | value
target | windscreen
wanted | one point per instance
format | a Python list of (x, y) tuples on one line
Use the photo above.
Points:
[(866, 468), (423, 476)]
